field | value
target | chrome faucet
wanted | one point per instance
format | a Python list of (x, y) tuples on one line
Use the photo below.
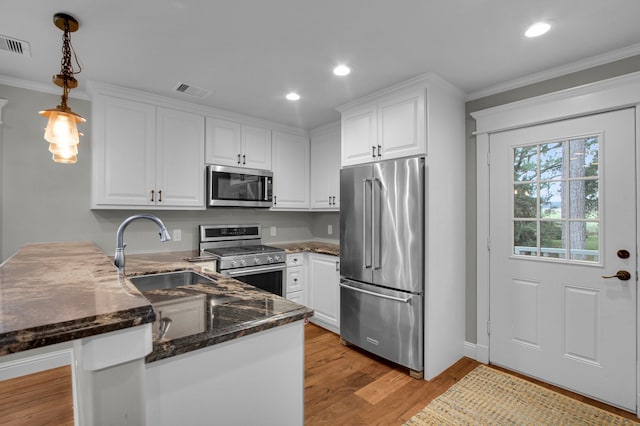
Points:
[(120, 245)]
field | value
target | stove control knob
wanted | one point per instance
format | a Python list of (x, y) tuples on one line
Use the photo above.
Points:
[(277, 258), (234, 263), (269, 259), (243, 262), (256, 260)]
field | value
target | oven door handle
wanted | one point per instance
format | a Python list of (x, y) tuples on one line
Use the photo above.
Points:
[(258, 270)]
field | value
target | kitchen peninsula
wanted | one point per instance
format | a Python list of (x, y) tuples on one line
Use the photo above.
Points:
[(65, 304)]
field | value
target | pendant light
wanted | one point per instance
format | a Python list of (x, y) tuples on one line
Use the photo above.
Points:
[(62, 130)]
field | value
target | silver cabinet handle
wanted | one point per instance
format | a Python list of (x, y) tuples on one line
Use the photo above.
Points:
[(275, 200), (379, 150), (373, 151), (160, 196), (244, 159), (152, 193), (371, 293), (238, 158)]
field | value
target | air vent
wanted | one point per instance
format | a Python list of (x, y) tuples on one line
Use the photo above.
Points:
[(15, 46), (196, 92)]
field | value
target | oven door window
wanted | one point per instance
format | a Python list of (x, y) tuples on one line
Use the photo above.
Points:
[(269, 281)]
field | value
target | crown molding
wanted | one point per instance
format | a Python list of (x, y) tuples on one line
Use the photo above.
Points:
[(582, 65), (41, 87)]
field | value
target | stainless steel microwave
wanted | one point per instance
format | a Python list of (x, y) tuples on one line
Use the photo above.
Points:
[(239, 187)]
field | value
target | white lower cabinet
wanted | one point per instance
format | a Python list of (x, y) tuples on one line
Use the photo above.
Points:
[(296, 278), (324, 290)]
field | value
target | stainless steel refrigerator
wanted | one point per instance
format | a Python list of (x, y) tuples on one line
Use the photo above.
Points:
[(382, 259)]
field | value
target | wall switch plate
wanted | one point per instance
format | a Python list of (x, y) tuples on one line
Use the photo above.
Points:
[(177, 235), (274, 232), (330, 229)]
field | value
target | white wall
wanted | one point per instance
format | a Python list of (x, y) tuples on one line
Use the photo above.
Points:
[(42, 201)]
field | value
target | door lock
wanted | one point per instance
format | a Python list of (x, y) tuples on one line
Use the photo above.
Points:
[(623, 254), (621, 275)]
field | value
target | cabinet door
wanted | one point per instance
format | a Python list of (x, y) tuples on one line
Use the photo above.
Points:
[(325, 170), (223, 142), (180, 159), (256, 148), (324, 290), (124, 141), (401, 125), (359, 135), (290, 171)]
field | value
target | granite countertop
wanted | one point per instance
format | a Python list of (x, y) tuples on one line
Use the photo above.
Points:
[(207, 314), (57, 292), (332, 249)]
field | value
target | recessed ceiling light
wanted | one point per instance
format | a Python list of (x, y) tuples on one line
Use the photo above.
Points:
[(537, 29), (342, 70), (293, 96)]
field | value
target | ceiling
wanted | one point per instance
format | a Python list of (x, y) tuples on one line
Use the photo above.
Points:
[(250, 53)]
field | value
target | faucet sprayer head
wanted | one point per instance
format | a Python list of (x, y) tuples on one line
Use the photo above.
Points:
[(164, 235)]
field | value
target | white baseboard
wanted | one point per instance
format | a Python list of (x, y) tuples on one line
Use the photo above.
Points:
[(470, 350)]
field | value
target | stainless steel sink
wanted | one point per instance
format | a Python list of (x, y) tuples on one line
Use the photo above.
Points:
[(169, 280)]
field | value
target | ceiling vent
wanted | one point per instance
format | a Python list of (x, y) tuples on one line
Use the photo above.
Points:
[(15, 46), (196, 92)]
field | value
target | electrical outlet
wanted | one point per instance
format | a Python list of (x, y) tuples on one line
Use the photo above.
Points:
[(177, 234), (274, 232), (330, 229)]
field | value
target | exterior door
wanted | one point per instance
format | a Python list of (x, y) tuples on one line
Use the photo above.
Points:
[(562, 222)]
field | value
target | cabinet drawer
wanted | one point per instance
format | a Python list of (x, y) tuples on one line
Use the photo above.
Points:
[(295, 259), (295, 279), (296, 296)]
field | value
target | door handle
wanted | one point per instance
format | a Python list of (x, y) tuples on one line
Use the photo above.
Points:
[(382, 296), (621, 275), (366, 262)]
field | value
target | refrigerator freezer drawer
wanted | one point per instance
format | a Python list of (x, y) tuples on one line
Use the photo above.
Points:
[(384, 322)]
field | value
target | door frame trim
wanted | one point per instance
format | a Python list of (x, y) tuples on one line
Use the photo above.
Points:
[(602, 96)]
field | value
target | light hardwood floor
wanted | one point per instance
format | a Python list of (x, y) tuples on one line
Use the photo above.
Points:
[(346, 386)]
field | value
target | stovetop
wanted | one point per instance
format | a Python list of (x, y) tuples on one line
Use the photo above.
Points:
[(242, 250)]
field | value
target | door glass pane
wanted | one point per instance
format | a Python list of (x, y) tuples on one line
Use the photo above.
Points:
[(525, 200), (551, 206), (525, 160), (551, 242), (556, 199), (525, 237), (551, 161), (584, 241)]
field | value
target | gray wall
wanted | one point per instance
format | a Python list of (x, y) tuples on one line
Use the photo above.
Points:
[(42, 201), (601, 72)]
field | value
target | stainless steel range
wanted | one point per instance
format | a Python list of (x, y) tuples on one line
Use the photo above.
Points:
[(240, 254)]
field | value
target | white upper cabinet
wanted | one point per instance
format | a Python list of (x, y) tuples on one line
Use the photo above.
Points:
[(233, 144), (290, 171), (146, 156), (390, 126), (325, 168), (180, 158)]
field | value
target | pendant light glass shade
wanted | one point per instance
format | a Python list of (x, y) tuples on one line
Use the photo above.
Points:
[(62, 134)]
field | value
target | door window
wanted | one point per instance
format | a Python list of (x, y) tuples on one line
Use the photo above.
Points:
[(556, 209)]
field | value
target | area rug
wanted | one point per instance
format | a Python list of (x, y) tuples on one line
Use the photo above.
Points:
[(489, 397)]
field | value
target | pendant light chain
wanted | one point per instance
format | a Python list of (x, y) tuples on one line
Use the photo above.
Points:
[(67, 49)]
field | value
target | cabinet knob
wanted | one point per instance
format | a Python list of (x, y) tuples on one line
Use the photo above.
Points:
[(295, 280)]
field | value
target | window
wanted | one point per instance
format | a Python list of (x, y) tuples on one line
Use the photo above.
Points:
[(555, 200)]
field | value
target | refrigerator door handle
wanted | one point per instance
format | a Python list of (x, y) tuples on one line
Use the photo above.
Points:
[(382, 296), (376, 249), (367, 258)]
